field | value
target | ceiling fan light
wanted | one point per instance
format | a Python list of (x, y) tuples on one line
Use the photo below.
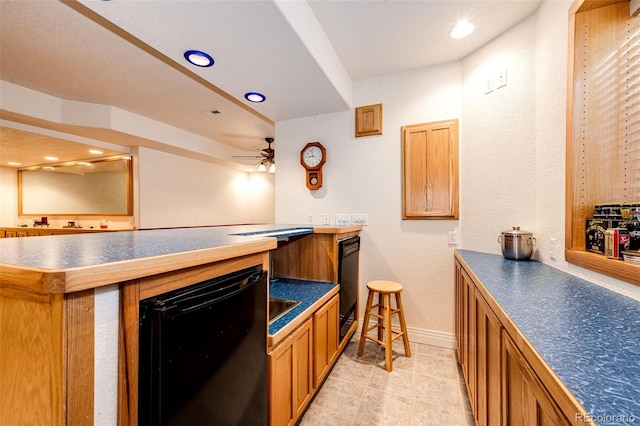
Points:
[(462, 29), (254, 97), (198, 58), (272, 169)]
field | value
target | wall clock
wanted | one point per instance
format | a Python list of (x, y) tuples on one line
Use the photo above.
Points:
[(312, 157)]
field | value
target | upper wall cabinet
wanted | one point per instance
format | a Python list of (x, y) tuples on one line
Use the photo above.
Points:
[(603, 124), (430, 170)]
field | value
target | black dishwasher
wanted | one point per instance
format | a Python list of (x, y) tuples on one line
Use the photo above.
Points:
[(349, 254), (203, 354)]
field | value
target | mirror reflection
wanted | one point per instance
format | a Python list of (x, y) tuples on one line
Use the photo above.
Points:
[(100, 187)]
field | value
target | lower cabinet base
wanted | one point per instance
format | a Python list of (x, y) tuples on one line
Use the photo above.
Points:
[(508, 382), (299, 364)]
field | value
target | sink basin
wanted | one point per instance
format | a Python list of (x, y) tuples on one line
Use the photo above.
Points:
[(279, 307)]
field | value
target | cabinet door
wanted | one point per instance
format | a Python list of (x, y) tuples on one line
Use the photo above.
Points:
[(487, 360), (430, 170), (290, 376), (465, 324), (470, 335), (525, 401), (459, 320), (325, 338)]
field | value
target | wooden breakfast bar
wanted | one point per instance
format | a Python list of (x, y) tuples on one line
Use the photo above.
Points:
[(48, 286)]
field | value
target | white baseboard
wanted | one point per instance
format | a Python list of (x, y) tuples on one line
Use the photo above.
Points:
[(424, 337), (432, 337)]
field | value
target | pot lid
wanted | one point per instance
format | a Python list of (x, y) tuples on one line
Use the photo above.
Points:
[(516, 232)]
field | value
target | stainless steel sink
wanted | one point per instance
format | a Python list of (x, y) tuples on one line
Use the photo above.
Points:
[(279, 307)]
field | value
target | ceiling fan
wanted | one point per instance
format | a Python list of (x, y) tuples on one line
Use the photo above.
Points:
[(267, 157)]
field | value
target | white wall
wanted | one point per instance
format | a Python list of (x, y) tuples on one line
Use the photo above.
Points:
[(497, 155), (363, 175), (8, 196), (512, 150), (178, 191)]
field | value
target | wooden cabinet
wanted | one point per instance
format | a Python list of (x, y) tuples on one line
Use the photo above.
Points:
[(46, 357), (430, 170), (325, 339), (505, 387), (488, 363), (369, 120), (300, 362), (35, 232), (603, 103), (311, 257), (525, 400), (290, 373), (478, 343), (465, 320)]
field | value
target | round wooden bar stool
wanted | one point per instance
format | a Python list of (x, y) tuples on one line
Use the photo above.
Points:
[(386, 335)]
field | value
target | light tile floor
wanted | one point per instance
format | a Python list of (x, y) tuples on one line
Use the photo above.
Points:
[(426, 389)]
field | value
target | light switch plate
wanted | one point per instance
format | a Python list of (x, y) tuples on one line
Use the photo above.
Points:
[(501, 78)]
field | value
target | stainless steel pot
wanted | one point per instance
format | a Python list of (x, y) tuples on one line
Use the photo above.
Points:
[(517, 244)]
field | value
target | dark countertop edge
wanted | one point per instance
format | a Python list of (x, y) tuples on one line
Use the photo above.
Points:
[(69, 280)]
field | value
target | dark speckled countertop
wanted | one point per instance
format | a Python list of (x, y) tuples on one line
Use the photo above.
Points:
[(66, 263), (588, 335), (307, 292)]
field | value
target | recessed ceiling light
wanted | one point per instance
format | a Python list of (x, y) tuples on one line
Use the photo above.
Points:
[(254, 97), (462, 29), (95, 151), (198, 58), (51, 158), (13, 163)]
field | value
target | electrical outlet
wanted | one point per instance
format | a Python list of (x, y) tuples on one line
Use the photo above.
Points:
[(553, 251), (310, 218), (343, 219), (326, 219), (501, 78), (359, 219), (488, 85), (452, 238)]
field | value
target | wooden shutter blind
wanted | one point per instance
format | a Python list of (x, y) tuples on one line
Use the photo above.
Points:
[(603, 128), (430, 170)]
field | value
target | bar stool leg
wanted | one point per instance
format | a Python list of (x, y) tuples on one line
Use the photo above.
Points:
[(365, 323), (387, 331), (380, 316), (403, 326)]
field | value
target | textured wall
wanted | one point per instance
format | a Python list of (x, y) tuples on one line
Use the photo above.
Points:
[(179, 191), (363, 175)]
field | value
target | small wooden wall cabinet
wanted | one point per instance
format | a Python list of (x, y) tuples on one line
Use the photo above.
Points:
[(603, 104), (507, 381)]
